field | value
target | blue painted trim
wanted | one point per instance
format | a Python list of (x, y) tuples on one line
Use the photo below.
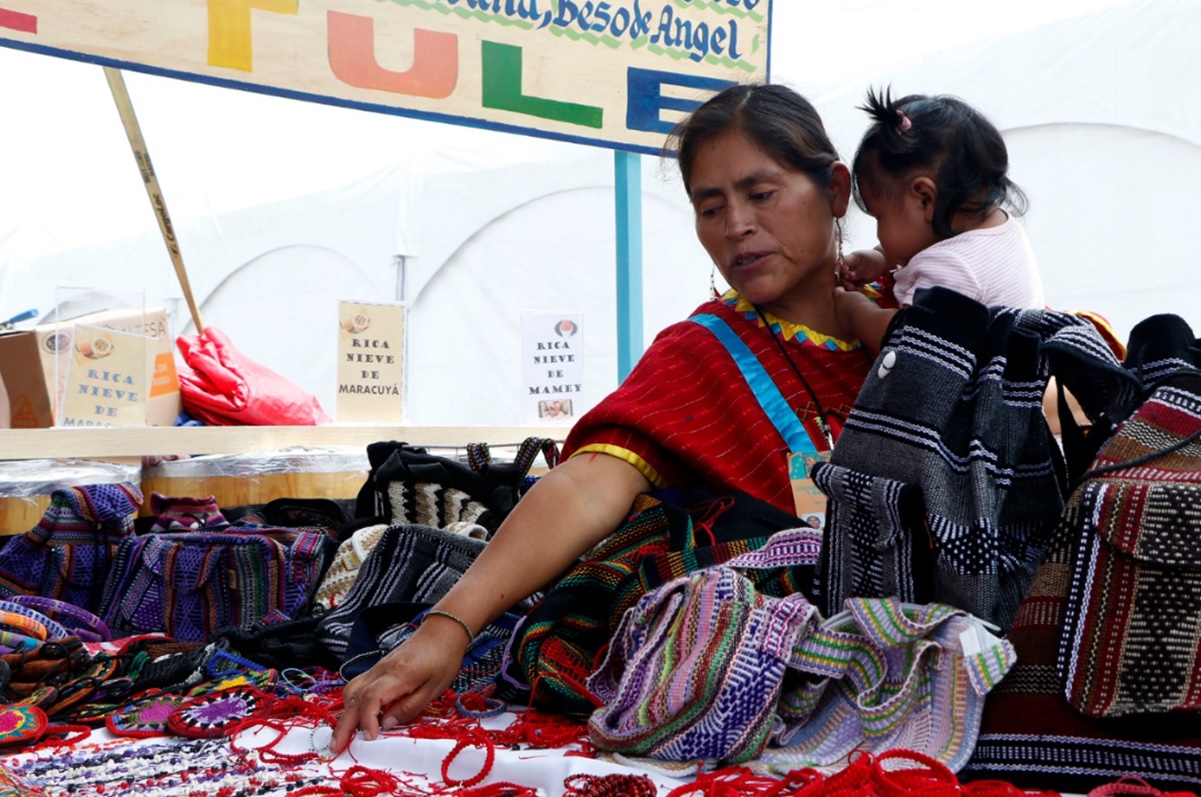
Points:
[(627, 184), (770, 399)]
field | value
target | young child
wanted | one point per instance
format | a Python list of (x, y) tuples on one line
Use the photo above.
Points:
[(933, 172)]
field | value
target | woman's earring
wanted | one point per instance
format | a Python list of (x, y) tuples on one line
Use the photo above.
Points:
[(713, 294), (839, 261)]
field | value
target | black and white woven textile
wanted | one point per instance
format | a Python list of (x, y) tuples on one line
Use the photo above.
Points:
[(946, 480)]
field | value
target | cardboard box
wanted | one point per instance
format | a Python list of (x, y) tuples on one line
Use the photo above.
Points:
[(33, 367)]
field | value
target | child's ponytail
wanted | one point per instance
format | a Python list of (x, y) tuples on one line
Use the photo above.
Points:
[(891, 127)]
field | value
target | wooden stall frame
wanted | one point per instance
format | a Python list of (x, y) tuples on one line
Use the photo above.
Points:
[(121, 443)]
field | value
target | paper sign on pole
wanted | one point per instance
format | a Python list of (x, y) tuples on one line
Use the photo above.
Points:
[(552, 367), (371, 340), (109, 377), (616, 73)]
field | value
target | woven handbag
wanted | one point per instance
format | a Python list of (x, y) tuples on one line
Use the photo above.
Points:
[(192, 585), (951, 420), (409, 563), (888, 675), (68, 554), (1030, 733), (407, 484), (344, 569), (1131, 639), (695, 668)]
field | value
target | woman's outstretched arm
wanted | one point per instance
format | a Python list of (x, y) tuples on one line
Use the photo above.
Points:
[(568, 511)]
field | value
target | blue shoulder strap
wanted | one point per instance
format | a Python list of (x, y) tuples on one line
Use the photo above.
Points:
[(760, 383)]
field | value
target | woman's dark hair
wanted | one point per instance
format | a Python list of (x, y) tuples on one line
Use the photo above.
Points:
[(775, 117), (942, 135)]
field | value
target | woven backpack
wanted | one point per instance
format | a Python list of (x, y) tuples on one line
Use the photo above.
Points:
[(1111, 620), (946, 480)]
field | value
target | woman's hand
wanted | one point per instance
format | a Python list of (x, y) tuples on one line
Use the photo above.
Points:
[(569, 510), (402, 683), (861, 267)]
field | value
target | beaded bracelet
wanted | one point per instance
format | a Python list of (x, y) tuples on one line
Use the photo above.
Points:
[(23, 624), (456, 618), (17, 641), (54, 630), (82, 623)]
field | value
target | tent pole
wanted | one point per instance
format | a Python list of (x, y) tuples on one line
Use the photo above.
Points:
[(628, 188), (133, 131)]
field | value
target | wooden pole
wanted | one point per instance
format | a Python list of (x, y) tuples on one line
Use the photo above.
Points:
[(116, 82)]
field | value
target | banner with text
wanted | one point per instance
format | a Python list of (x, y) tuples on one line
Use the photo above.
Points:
[(552, 367), (371, 340), (615, 72)]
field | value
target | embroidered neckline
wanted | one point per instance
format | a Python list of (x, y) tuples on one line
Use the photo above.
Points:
[(787, 329)]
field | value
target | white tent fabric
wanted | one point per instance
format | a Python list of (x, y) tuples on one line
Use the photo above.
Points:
[(1100, 108), (283, 207)]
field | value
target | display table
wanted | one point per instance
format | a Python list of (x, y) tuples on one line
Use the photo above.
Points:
[(137, 441)]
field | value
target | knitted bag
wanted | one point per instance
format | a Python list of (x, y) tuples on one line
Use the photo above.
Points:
[(1030, 733), (411, 563), (68, 554), (561, 639), (695, 667), (1131, 639), (952, 418), (344, 569), (407, 484), (886, 675)]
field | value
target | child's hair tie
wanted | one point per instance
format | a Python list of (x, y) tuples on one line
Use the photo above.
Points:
[(904, 124)]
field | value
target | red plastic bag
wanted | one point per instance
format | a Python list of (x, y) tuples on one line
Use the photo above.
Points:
[(223, 387)]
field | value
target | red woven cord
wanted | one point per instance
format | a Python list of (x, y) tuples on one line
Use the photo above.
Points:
[(930, 778), (543, 731), (708, 513), (60, 736), (727, 782), (501, 789), (1129, 784), (489, 758), (358, 781), (532, 728), (855, 780), (1001, 788)]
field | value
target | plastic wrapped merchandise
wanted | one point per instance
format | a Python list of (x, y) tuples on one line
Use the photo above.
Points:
[(26, 486), (244, 483)]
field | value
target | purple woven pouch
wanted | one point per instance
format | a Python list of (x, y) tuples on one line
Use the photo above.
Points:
[(68, 554), (192, 584), (695, 668)]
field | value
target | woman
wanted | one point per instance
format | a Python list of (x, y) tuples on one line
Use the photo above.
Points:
[(767, 190)]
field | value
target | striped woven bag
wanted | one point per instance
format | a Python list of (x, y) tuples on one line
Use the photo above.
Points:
[(1131, 640), (68, 554), (696, 666), (887, 675), (946, 482), (1030, 734)]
